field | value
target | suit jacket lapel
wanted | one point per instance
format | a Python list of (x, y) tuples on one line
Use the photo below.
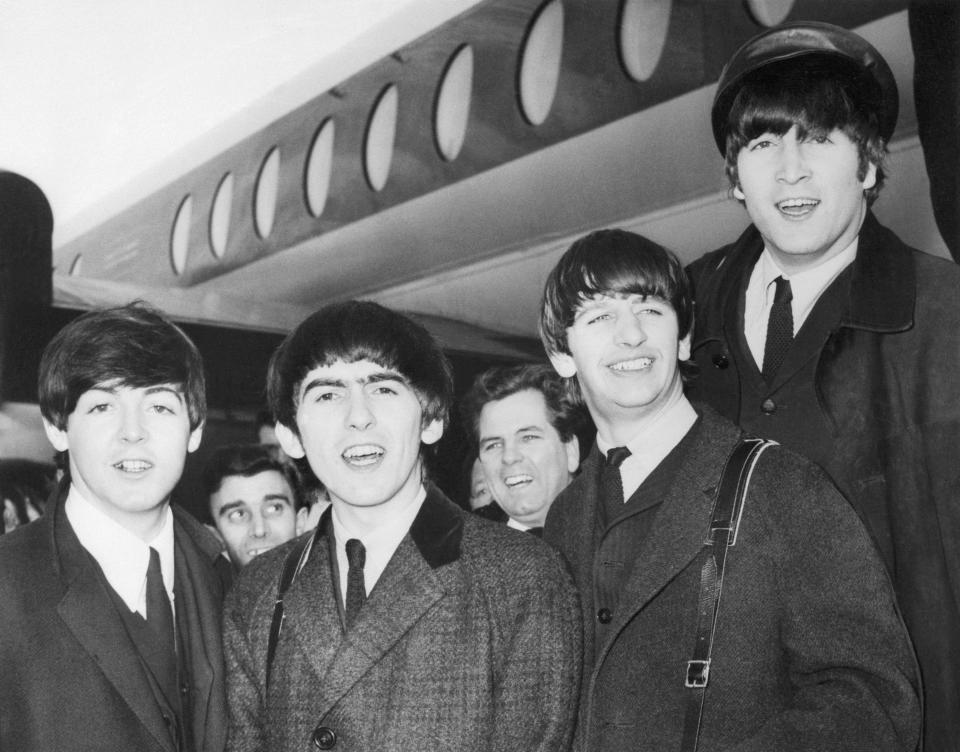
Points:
[(682, 523), (88, 612), (201, 598)]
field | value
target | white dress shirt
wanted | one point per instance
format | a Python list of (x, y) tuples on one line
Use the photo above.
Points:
[(807, 287), (380, 544), (649, 447), (122, 556)]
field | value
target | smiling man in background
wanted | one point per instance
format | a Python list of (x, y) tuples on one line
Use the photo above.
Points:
[(525, 429)]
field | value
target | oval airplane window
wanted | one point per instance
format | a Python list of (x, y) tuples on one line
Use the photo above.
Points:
[(180, 237), (265, 197), (220, 216), (453, 103), (643, 33), (319, 167), (540, 62), (381, 131), (769, 12)]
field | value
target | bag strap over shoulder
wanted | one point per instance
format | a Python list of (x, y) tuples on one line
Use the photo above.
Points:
[(292, 565), (724, 524)]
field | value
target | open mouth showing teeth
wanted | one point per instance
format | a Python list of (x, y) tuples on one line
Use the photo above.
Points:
[(363, 454), (515, 481), (637, 364), (797, 206), (257, 552), (133, 466)]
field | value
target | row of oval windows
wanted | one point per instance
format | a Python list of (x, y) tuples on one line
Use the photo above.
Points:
[(643, 32)]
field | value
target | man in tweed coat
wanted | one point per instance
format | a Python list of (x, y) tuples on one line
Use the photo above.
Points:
[(809, 651), (449, 632)]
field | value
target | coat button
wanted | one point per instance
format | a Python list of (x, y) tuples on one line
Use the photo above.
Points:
[(604, 616), (324, 737), (721, 361), (768, 406)]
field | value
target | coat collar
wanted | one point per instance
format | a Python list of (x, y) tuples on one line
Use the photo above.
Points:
[(412, 583), (882, 289)]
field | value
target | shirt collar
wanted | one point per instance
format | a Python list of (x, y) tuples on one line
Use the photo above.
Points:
[(380, 543), (122, 556)]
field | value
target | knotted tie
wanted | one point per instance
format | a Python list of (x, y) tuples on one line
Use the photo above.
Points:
[(356, 592), (611, 484), (159, 612), (779, 329)]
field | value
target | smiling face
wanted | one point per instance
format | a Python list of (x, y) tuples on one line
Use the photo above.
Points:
[(254, 514), (127, 447), (624, 351), (524, 459), (360, 428), (805, 196)]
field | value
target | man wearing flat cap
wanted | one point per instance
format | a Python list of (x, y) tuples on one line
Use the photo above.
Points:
[(819, 328)]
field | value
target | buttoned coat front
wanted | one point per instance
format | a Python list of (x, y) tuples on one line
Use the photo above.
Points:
[(470, 640), (886, 389), (810, 653), (70, 676)]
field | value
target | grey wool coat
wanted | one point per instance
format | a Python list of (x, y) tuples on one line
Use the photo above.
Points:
[(70, 676), (470, 641), (810, 653)]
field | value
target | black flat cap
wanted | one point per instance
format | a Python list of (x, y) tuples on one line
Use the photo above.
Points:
[(803, 40)]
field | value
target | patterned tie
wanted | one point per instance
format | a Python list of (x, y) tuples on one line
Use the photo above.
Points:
[(356, 592), (159, 612), (779, 329), (611, 484)]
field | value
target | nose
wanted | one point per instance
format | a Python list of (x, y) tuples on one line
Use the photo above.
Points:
[(131, 426), (630, 330), (511, 453), (359, 415), (793, 164), (258, 528)]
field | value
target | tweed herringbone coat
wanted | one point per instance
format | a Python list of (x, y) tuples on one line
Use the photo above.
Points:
[(810, 653), (470, 641)]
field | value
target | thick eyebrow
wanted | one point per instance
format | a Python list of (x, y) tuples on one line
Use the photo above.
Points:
[(373, 378), (166, 389), (113, 387)]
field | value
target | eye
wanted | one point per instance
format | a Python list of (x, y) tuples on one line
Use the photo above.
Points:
[(595, 318), (100, 407), (528, 437), (237, 515), (163, 409), (275, 509), (491, 445), (388, 389)]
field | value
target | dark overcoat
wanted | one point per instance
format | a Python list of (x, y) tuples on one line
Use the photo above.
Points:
[(469, 641), (886, 394), (810, 653), (70, 676)]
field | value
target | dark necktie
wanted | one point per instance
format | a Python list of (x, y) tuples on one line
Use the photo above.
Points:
[(159, 613), (779, 329), (611, 484), (356, 592)]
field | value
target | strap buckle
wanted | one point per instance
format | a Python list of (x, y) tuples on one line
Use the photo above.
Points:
[(698, 674)]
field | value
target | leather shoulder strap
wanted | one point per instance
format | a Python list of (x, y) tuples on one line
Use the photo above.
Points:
[(292, 565), (724, 524)]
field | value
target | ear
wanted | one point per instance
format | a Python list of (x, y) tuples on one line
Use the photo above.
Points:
[(572, 449), (432, 433), (870, 179), (289, 442), (194, 441), (56, 437), (300, 526), (683, 350), (563, 364)]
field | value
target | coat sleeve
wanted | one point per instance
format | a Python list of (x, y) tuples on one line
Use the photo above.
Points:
[(245, 704), (538, 662)]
